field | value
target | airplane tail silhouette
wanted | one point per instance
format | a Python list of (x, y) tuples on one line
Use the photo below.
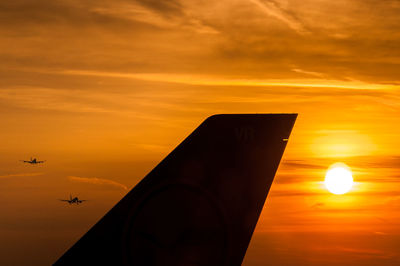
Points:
[(200, 205)]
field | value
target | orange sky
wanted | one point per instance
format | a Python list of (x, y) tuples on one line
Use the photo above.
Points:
[(104, 90)]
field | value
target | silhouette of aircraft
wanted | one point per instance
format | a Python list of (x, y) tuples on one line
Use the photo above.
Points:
[(200, 205), (33, 161), (73, 200)]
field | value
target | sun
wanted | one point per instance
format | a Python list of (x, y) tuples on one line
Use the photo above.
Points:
[(338, 179)]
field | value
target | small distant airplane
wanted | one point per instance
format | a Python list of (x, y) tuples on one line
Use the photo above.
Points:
[(73, 200), (33, 161)]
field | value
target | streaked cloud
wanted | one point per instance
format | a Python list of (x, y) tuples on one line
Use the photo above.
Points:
[(274, 9), (165, 8), (97, 181), (20, 175), (212, 81), (255, 40), (145, 12), (310, 73)]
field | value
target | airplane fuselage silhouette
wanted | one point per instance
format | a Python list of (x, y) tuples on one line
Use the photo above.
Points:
[(74, 200), (33, 161)]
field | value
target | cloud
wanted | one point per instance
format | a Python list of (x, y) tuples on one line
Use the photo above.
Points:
[(275, 10), (167, 17), (97, 181), (164, 7), (135, 12), (310, 73), (295, 193), (208, 80), (378, 162), (302, 164), (55, 99), (245, 38), (20, 175), (318, 205)]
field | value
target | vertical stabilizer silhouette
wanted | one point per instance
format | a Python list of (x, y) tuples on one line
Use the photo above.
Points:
[(200, 205)]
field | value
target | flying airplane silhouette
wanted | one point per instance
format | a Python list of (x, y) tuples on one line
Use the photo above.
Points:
[(32, 161), (73, 200)]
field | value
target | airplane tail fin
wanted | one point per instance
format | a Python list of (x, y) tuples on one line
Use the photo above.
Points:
[(200, 205)]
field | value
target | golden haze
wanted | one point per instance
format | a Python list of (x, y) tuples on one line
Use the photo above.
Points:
[(104, 90)]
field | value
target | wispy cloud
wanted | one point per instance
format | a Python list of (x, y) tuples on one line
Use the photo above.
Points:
[(310, 73), (163, 7), (274, 9), (97, 181), (55, 99), (20, 175), (211, 81), (162, 16), (301, 164)]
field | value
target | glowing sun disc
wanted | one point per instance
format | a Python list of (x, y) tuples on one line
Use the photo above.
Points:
[(338, 179)]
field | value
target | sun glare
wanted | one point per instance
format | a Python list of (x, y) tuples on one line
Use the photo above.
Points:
[(339, 179)]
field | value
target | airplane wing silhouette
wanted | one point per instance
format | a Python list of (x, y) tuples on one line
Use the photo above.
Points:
[(200, 205)]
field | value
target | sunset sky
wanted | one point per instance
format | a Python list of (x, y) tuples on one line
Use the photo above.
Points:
[(103, 90)]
